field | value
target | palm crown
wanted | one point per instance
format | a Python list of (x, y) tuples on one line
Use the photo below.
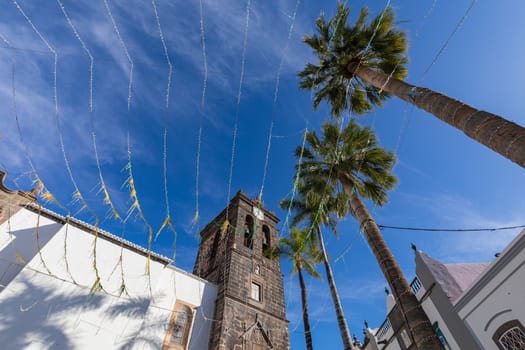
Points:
[(313, 207), (299, 249), (339, 47), (351, 154)]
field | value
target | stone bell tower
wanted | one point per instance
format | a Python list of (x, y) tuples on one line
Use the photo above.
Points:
[(249, 310)]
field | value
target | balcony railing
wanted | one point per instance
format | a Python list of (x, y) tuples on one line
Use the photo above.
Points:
[(416, 285), (381, 332)]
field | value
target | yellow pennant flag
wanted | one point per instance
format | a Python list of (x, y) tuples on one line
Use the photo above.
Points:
[(196, 217), (19, 258), (224, 227)]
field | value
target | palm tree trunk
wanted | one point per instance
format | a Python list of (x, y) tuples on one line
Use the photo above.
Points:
[(306, 321), (341, 320), (500, 135), (418, 324)]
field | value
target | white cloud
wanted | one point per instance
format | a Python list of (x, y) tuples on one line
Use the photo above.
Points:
[(454, 211)]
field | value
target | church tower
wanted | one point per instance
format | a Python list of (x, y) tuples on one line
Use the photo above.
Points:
[(233, 254)]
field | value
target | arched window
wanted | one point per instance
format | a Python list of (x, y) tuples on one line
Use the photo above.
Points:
[(248, 232), (179, 330), (215, 245), (265, 239), (510, 336)]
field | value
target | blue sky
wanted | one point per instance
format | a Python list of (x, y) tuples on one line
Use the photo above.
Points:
[(446, 179)]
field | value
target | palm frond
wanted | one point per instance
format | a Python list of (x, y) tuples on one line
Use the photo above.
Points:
[(376, 44)]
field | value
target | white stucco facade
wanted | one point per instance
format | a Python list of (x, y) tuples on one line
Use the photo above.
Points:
[(471, 305), (46, 296), (498, 296), (434, 316)]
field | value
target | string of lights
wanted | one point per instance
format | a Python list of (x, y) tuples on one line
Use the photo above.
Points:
[(103, 188), (130, 182), (77, 195), (97, 285), (167, 220), (43, 191), (447, 41), (201, 114), (238, 104), (275, 96)]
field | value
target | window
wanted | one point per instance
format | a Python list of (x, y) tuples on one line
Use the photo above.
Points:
[(215, 244), (214, 247), (514, 338), (248, 232), (510, 336), (406, 338), (415, 285), (265, 240), (256, 291), (441, 336), (178, 335)]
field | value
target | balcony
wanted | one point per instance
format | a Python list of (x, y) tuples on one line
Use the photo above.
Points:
[(383, 330), (416, 285)]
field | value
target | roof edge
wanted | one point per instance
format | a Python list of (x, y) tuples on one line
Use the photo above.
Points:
[(102, 233), (510, 251)]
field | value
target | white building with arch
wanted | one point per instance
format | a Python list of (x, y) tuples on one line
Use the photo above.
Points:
[(471, 305)]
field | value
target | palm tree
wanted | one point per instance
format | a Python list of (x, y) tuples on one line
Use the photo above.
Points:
[(311, 207), (360, 65), (351, 158), (298, 248)]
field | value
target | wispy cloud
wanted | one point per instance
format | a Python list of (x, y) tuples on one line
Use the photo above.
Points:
[(410, 167), (455, 211)]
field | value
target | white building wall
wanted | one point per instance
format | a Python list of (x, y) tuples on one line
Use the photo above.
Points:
[(393, 345), (49, 304), (499, 295), (18, 243), (434, 316)]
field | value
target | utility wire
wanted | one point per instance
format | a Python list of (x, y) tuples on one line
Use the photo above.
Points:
[(430, 229)]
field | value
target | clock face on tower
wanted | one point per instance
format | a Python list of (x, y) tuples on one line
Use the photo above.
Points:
[(258, 213)]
